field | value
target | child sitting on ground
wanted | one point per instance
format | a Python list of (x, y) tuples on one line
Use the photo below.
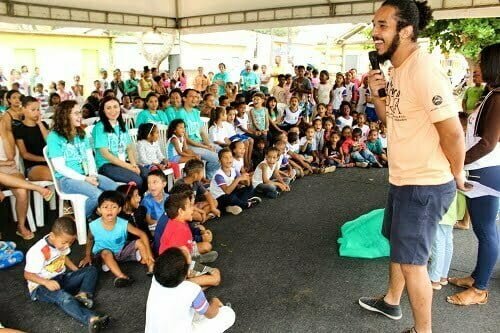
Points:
[(48, 280), (293, 147), (374, 145), (204, 201), (259, 151), (238, 150), (333, 154), (149, 153), (132, 210), (173, 300), (107, 240), (247, 140), (178, 234), (359, 152), (231, 188), (154, 199), (365, 129), (292, 116), (267, 179), (287, 167)]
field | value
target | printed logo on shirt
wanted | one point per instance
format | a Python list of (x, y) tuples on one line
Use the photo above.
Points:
[(392, 104), (437, 100)]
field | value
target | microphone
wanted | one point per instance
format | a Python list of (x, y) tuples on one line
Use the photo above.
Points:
[(373, 56)]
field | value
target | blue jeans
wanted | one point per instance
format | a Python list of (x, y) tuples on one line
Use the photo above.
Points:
[(363, 156), (73, 186), (210, 157), (122, 175), (239, 197), (441, 253), (83, 280), (268, 190), (483, 212)]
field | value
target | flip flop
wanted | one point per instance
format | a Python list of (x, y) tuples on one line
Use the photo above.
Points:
[(465, 298), (49, 196), (30, 237)]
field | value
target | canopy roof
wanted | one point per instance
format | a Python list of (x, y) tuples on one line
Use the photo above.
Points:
[(196, 16)]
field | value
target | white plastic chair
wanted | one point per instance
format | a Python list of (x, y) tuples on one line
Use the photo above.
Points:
[(129, 120), (133, 134), (162, 129), (77, 201), (90, 121), (205, 123), (29, 215)]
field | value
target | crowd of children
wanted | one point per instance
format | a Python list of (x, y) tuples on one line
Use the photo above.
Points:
[(246, 152)]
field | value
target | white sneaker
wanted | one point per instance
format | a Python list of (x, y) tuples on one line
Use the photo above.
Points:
[(362, 164), (330, 169), (105, 268), (235, 210)]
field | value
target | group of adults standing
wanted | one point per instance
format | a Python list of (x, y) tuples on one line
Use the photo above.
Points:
[(428, 161)]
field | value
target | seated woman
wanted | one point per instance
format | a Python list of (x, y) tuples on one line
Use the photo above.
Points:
[(11, 178), (73, 159), (115, 154), (30, 140), (152, 114)]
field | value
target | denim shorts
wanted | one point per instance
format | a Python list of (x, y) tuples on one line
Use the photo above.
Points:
[(411, 217)]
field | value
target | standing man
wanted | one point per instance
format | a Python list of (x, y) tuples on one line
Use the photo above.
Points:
[(118, 85), (278, 69), (473, 94), (302, 88), (249, 83), (264, 80), (426, 155)]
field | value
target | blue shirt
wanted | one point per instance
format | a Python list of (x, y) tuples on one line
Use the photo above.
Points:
[(116, 142), (113, 240), (154, 208), (74, 152)]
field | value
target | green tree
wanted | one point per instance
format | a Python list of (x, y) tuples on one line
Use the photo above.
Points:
[(465, 36)]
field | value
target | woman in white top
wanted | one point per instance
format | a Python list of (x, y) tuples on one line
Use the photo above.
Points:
[(482, 161)]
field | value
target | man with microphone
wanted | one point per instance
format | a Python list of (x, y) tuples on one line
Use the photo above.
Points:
[(426, 155)]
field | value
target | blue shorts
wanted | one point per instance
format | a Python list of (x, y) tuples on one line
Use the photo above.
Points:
[(239, 137), (411, 217), (175, 159)]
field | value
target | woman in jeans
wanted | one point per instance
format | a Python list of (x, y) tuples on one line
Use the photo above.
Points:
[(73, 159), (114, 152), (482, 161)]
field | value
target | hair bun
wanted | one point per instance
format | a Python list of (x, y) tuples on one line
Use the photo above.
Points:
[(424, 14)]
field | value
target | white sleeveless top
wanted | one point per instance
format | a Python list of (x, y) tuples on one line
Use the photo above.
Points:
[(291, 118), (492, 158), (257, 175)]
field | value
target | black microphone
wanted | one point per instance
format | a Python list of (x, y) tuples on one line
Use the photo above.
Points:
[(373, 56)]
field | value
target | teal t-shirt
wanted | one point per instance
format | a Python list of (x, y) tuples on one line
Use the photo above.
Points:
[(193, 124), (74, 153), (221, 77), (113, 240), (173, 113), (116, 142), (249, 79), (375, 147), (259, 116), (145, 116)]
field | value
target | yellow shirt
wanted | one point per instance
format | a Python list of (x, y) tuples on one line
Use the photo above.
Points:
[(419, 95)]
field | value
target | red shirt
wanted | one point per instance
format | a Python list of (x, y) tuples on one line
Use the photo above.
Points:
[(176, 234)]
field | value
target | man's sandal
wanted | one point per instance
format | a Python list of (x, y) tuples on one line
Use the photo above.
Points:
[(461, 282), (471, 296)]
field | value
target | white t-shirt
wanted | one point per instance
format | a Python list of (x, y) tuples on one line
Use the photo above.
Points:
[(338, 97), (349, 91), (242, 122), (45, 261), (303, 141), (343, 122), (365, 129), (324, 93), (238, 164), (257, 175), (216, 133), (173, 309), (291, 117), (220, 178)]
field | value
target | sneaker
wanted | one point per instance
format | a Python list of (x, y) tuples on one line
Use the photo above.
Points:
[(330, 169), (362, 164), (97, 323), (380, 306), (252, 202), (207, 257), (87, 302), (255, 199), (235, 210), (105, 268)]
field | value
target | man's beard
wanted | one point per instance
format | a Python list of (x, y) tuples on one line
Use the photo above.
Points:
[(390, 51)]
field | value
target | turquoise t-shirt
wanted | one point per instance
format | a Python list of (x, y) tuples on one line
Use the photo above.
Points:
[(174, 113), (193, 124), (249, 79), (116, 142), (146, 116), (113, 240), (259, 116), (221, 77), (74, 153), (375, 147)]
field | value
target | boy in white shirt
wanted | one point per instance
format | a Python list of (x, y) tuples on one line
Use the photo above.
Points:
[(48, 280), (177, 305), (267, 179)]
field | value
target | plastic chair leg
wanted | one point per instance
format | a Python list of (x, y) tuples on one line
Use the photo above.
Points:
[(81, 221), (31, 220), (38, 203), (13, 207), (53, 201)]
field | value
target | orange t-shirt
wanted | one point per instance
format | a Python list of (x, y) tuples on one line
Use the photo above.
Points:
[(419, 95)]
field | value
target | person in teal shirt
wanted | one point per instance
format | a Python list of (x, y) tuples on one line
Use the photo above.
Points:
[(175, 110), (70, 153), (249, 82), (221, 79), (131, 85), (151, 114), (115, 153), (197, 139)]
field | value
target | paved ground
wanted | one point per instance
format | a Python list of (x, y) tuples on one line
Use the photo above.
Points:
[(281, 270)]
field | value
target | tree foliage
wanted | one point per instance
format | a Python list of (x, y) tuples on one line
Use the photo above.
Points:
[(465, 36)]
